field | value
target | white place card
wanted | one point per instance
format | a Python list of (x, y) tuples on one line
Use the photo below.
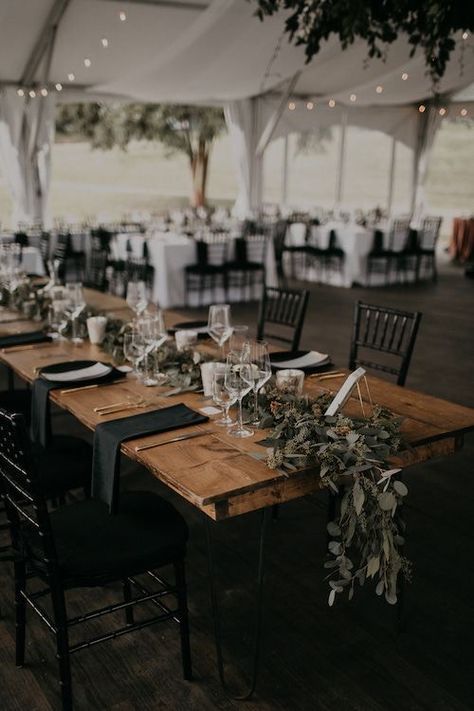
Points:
[(344, 392)]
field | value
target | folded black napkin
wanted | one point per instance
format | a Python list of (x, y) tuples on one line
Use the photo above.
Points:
[(24, 339), (40, 411), (109, 436)]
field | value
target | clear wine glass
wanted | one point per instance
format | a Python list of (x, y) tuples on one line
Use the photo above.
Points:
[(238, 382), (261, 372), (131, 349), (137, 297), (218, 324), (221, 396), (154, 334), (239, 340), (76, 304)]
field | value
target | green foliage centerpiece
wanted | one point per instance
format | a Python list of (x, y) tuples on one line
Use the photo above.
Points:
[(351, 456)]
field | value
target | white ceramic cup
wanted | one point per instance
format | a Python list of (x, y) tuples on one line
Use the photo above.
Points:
[(96, 328), (290, 381), (185, 338)]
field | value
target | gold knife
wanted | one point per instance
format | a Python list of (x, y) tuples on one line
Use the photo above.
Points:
[(174, 439)]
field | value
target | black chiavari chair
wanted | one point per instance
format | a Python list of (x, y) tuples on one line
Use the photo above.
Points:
[(209, 272), (286, 309), (82, 545), (426, 250), (247, 270), (389, 332)]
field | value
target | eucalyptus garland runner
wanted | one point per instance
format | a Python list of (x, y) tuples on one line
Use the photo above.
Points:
[(352, 458)]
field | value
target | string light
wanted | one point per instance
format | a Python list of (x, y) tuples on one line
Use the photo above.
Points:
[(465, 35), (310, 106), (59, 87), (20, 92), (463, 112), (104, 42), (123, 16), (404, 76), (71, 76), (44, 91), (87, 62), (292, 106), (32, 93), (353, 97), (422, 108), (331, 103), (379, 89), (442, 111)]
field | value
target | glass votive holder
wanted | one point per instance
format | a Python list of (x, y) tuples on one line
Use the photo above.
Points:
[(186, 339), (290, 381)]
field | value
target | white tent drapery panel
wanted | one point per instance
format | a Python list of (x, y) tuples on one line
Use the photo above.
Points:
[(430, 121), (26, 135)]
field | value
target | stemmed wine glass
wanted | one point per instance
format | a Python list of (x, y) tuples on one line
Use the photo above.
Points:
[(154, 334), (261, 372), (238, 382), (218, 324), (75, 305), (221, 396), (137, 297), (131, 349)]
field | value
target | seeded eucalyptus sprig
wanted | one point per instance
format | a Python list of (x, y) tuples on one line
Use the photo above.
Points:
[(352, 458)]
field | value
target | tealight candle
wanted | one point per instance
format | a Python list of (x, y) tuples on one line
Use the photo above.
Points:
[(290, 381)]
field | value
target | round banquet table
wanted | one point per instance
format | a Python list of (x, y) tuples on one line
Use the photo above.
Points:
[(355, 240), (169, 254)]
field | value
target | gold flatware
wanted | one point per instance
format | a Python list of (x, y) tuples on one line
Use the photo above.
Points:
[(174, 439), (335, 375), (31, 347), (87, 387), (138, 406)]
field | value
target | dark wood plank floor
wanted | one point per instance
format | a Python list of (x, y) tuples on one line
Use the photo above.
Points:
[(345, 658)]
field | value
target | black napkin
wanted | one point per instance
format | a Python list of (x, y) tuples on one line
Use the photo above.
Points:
[(109, 436), (24, 339), (40, 414)]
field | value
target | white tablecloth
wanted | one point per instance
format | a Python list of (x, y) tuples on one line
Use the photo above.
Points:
[(169, 254), (355, 240), (31, 261)]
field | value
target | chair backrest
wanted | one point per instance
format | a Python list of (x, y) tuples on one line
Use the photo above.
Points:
[(399, 234), (97, 270), (429, 232), (21, 492), (254, 248), (390, 332), (377, 244), (100, 239), (284, 308), (138, 269), (213, 249), (63, 246), (44, 244), (21, 238)]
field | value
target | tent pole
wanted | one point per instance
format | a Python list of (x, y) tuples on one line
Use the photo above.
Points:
[(391, 179), (284, 182), (341, 161), (274, 119)]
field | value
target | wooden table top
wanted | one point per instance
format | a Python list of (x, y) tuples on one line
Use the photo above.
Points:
[(216, 472)]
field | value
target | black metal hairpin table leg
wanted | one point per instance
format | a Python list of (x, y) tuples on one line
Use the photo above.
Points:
[(265, 516)]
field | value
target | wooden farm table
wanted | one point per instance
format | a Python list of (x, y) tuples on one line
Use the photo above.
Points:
[(217, 473)]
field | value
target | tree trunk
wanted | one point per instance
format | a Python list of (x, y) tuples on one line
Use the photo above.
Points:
[(199, 165)]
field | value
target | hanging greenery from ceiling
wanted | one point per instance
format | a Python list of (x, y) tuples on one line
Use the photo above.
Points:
[(430, 25)]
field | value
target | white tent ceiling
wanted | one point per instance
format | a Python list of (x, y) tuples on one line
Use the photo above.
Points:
[(203, 51)]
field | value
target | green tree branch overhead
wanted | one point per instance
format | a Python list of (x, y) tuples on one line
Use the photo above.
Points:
[(181, 129), (430, 25)]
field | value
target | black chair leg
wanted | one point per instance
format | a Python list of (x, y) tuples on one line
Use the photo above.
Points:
[(20, 613), (127, 596), (183, 620), (62, 646)]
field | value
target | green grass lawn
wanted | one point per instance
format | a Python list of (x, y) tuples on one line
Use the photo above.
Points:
[(88, 182)]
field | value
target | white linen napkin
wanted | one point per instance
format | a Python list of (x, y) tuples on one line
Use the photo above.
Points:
[(307, 360), (97, 370)]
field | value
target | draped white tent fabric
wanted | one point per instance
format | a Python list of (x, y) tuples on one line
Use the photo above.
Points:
[(209, 52), (26, 136)]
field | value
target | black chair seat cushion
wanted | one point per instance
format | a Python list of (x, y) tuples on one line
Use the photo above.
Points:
[(204, 269), (94, 547), (334, 252), (64, 465), (241, 266)]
